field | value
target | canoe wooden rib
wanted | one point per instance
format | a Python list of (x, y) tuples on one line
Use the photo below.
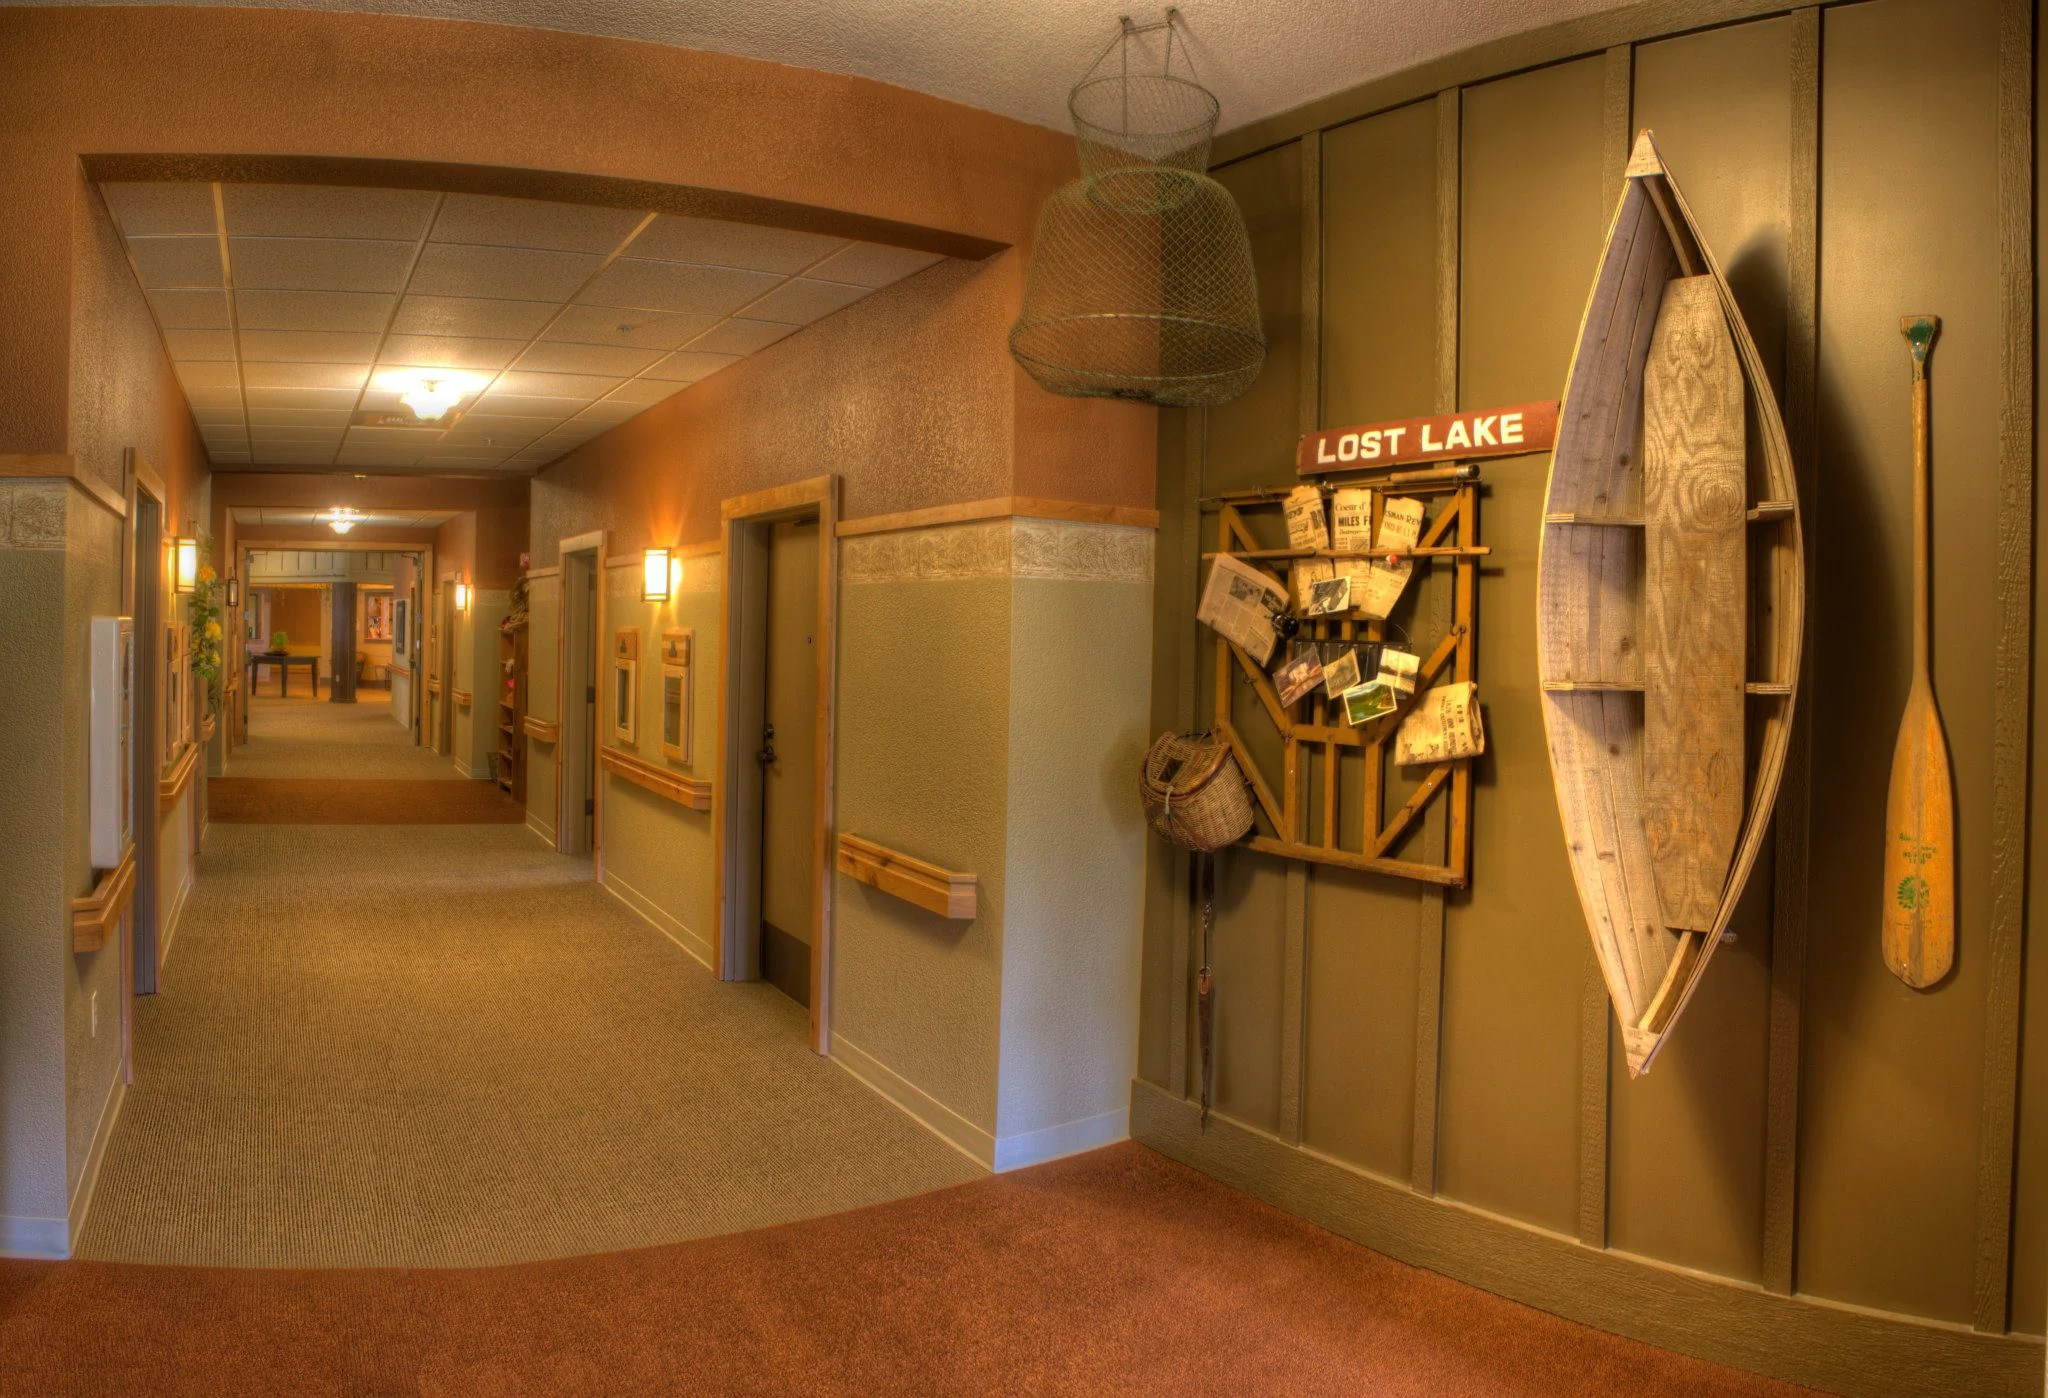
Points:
[(1592, 628)]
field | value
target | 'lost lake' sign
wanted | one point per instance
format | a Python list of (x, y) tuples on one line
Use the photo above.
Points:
[(1516, 431)]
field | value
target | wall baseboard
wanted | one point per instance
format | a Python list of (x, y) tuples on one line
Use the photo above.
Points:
[(541, 828), (670, 927), (463, 768), (170, 927), (95, 1156), (1067, 1138), (1801, 1339), (938, 1118), (38, 1239)]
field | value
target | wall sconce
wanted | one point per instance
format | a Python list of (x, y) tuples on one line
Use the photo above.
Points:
[(461, 596), (185, 563), (654, 584), (234, 593)]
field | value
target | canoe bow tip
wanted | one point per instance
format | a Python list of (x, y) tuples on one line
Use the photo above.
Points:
[(1645, 159)]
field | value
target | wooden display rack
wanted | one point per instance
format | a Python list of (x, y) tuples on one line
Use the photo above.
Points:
[(1316, 725), (508, 761)]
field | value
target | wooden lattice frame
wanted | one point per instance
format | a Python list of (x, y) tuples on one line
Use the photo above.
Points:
[(1450, 539)]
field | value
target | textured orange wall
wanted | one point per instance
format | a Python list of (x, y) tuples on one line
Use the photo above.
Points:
[(138, 80), (121, 392)]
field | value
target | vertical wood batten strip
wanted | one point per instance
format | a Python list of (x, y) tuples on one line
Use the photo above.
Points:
[(1596, 1020), (1789, 891), (1294, 963), (1194, 450), (2012, 664), (1432, 910)]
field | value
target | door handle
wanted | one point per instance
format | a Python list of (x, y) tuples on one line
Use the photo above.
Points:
[(766, 756)]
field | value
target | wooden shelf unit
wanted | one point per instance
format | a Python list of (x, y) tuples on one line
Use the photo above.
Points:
[(508, 760)]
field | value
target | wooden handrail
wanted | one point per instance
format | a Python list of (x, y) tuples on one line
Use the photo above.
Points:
[(433, 685), (943, 891), (101, 909), (206, 729), (461, 697), (169, 788), (678, 787), (541, 729)]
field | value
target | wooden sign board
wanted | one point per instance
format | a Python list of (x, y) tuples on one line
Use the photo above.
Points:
[(1468, 436)]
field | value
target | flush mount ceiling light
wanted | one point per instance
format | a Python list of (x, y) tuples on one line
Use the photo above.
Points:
[(431, 397), (340, 519)]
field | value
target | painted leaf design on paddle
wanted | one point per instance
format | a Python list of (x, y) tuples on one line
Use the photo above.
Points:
[(1913, 893)]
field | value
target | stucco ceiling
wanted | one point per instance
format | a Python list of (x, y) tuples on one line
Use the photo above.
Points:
[(1019, 57), (296, 316)]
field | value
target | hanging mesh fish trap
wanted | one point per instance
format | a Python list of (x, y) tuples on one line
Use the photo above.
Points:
[(1141, 283)]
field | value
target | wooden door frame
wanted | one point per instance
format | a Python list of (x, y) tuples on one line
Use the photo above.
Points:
[(444, 657), (148, 818), (733, 843), (595, 543)]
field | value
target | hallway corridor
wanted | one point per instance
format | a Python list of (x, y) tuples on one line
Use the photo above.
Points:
[(446, 1046), (301, 737)]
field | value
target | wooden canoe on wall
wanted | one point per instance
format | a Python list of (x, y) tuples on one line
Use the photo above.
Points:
[(1670, 601)]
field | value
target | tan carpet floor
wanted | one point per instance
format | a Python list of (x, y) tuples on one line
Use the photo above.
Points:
[(446, 1046), (302, 737)]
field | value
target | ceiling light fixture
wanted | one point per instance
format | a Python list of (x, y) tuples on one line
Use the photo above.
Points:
[(431, 399), (340, 519)]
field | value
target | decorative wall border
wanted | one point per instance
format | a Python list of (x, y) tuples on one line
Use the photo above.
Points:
[(1016, 547)]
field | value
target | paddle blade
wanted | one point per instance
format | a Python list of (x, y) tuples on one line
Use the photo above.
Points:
[(1919, 849)]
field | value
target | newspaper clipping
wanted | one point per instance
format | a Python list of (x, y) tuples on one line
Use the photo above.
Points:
[(1305, 527), (1444, 725), (1400, 527), (1240, 603)]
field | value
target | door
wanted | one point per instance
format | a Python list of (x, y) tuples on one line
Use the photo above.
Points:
[(145, 751), (576, 820), (788, 757)]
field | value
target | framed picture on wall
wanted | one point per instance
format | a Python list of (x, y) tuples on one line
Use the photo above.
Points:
[(675, 695), (626, 685), (401, 617), (377, 616)]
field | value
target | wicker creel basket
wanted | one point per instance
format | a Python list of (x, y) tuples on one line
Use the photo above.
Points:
[(1194, 794)]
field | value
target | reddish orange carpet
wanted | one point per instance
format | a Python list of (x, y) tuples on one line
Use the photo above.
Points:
[(320, 801), (1117, 1272)]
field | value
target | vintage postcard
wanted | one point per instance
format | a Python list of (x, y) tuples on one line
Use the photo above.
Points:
[(1300, 676)]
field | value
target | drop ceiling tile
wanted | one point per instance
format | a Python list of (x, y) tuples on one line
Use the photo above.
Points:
[(517, 274), (319, 264), (487, 220), (164, 262), (161, 208), (190, 310), (312, 310), (214, 397), (802, 300), (200, 344), (229, 439), (207, 373), (471, 318), (525, 405), (605, 325), (643, 391), (326, 211), (740, 336), (688, 366), (758, 247), (293, 438), (513, 431), (616, 361), (676, 286), (294, 455), (873, 265), (348, 376), (448, 352), (301, 399), (583, 386), (412, 438), (298, 417), (217, 417), (308, 346), (610, 410), (227, 458)]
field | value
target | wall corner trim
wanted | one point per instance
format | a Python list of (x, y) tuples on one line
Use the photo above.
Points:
[(95, 1156), (941, 1120)]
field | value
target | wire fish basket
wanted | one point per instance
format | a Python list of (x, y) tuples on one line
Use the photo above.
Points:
[(1141, 284), (1193, 792)]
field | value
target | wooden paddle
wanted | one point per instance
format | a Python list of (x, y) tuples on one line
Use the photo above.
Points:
[(1919, 817)]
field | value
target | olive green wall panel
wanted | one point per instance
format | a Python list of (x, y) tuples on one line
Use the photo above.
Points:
[(1535, 213), (1908, 224)]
